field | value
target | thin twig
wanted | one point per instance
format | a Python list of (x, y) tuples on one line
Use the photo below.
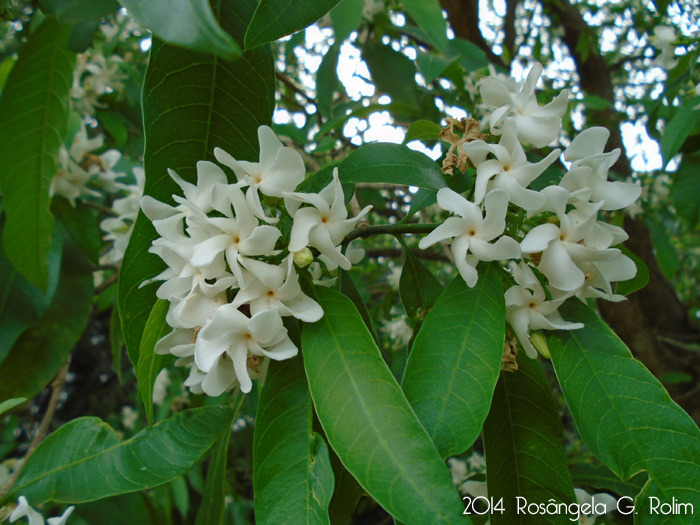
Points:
[(56, 388), (106, 283)]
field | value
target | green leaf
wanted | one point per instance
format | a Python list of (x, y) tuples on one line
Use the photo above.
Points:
[(455, 361), (77, 11), (188, 23), (81, 223), (523, 445), (686, 197), (86, 460), (369, 422), (393, 164), (418, 288), (277, 18), (472, 56), (392, 72), (127, 508), (22, 305), (9, 404), (192, 104), (327, 80), (350, 290), (428, 15), (150, 363), (637, 282), (82, 34), (423, 130), (346, 18), (665, 252), (213, 507), (116, 342), (33, 125), (678, 128), (43, 349), (597, 477), (292, 475), (624, 415)]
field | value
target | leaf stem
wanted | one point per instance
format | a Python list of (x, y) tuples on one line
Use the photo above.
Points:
[(390, 229)]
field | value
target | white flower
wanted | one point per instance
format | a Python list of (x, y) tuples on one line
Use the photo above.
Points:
[(537, 125), (471, 232), (399, 330), (663, 39), (160, 387), (236, 234), (71, 179), (23, 510), (601, 504), (527, 308), (277, 287), (587, 178), (509, 171), (119, 228), (226, 342), (324, 224), (578, 238), (280, 169), (600, 274)]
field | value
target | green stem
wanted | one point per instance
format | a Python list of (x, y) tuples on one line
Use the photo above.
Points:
[(391, 229)]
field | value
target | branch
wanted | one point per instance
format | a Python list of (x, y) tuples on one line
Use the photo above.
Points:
[(390, 229)]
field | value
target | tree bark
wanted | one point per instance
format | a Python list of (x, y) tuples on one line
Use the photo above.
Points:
[(652, 322)]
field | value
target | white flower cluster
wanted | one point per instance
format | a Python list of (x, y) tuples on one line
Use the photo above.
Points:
[(79, 167), (93, 76), (231, 276), (566, 242), (24, 510)]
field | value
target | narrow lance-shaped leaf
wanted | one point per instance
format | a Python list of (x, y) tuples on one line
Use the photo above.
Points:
[(42, 350), (22, 304), (393, 164), (212, 510), (85, 459), (625, 416), (277, 18), (523, 444), (192, 104), (455, 361), (292, 475), (150, 363), (187, 23), (33, 125), (369, 422)]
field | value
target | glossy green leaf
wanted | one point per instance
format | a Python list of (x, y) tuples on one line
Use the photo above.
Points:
[(43, 349), (455, 361), (418, 288), (188, 23), (192, 104), (666, 254), (369, 422), (597, 477), (637, 282), (150, 363), (350, 290), (428, 15), (82, 224), (292, 475), (277, 18), (625, 416), (686, 197), (22, 304), (471, 56), (86, 460), (423, 130), (327, 80), (77, 11), (33, 125), (9, 404), (346, 18), (213, 507), (393, 164), (392, 72), (116, 341), (523, 445), (678, 128)]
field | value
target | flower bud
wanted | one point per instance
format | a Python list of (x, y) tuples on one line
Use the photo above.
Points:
[(540, 344), (303, 257)]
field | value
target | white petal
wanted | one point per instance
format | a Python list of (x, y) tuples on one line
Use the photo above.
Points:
[(304, 220), (539, 238), (557, 266), (452, 227)]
